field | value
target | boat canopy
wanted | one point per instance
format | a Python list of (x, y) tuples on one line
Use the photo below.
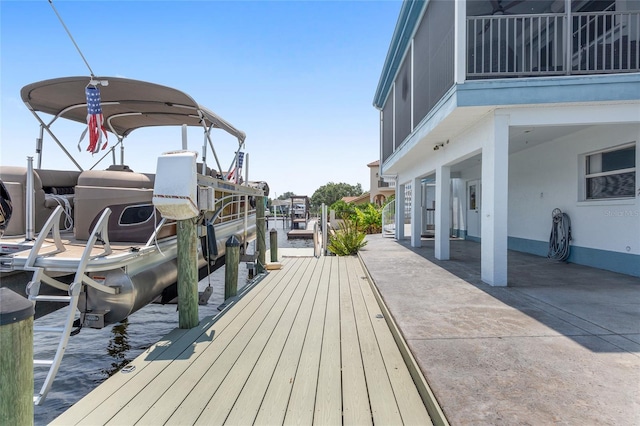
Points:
[(126, 104)]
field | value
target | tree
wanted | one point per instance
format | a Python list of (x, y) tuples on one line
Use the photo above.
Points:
[(332, 192), (287, 195)]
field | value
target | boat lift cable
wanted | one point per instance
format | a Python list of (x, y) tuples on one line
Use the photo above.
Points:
[(559, 248), (72, 39)]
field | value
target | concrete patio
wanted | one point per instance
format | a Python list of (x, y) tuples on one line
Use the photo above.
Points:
[(561, 344)]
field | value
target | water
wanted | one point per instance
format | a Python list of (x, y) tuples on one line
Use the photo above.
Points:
[(93, 355)]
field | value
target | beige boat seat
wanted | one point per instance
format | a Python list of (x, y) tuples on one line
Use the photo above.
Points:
[(128, 194), (51, 188)]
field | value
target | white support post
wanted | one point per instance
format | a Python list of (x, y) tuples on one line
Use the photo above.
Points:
[(495, 188), (416, 213), (400, 212), (30, 202), (184, 137), (442, 216)]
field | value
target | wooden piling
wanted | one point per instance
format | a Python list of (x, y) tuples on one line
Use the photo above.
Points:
[(232, 259), (16, 359), (260, 234), (273, 243), (187, 274)]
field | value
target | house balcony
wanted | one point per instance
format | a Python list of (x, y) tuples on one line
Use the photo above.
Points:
[(448, 54), (553, 44)]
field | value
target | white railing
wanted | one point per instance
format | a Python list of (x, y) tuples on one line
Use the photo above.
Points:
[(552, 44), (389, 219)]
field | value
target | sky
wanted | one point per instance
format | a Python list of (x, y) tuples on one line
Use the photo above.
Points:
[(298, 77)]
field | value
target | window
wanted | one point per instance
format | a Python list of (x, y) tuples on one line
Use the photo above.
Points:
[(135, 215), (611, 174)]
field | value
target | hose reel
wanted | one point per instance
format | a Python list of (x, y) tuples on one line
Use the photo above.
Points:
[(559, 248)]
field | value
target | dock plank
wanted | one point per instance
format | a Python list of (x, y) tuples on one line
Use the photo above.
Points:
[(103, 402), (384, 408), (194, 388), (183, 370), (251, 373), (305, 346), (296, 372), (328, 398), (356, 410), (299, 407)]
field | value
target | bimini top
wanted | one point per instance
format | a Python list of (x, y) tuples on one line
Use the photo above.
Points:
[(126, 104)]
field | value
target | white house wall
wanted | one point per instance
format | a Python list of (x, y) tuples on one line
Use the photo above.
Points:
[(547, 176)]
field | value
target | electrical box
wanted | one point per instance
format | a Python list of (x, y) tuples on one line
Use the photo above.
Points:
[(176, 185), (206, 198)]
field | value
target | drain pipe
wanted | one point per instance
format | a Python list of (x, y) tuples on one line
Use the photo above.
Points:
[(30, 202)]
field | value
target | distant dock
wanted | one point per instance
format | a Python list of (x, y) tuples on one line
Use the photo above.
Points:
[(306, 234), (308, 344)]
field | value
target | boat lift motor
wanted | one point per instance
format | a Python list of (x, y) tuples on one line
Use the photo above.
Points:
[(175, 190)]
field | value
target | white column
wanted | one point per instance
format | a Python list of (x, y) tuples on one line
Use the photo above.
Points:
[(399, 212), (416, 213), (443, 215), (495, 187), (460, 44)]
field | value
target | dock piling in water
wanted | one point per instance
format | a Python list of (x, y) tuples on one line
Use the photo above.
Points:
[(260, 234), (273, 242), (16, 358), (232, 259), (187, 274)]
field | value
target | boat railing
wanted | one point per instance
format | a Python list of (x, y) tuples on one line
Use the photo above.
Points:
[(230, 208)]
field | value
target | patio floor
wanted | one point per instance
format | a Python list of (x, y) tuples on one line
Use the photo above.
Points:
[(561, 344)]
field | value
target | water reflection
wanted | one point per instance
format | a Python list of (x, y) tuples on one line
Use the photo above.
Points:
[(118, 347)]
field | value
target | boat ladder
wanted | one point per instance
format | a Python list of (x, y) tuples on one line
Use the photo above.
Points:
[(99, 233)]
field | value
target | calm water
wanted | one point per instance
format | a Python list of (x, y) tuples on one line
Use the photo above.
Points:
[(93, 355)]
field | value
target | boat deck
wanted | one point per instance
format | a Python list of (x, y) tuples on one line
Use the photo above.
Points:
[(308, 344)]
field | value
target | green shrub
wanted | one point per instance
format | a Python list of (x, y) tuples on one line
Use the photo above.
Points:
[(369, 218), (347, 240)]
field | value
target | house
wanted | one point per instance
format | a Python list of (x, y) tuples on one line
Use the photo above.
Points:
[(509, 110), (360, 199), (380, 189)]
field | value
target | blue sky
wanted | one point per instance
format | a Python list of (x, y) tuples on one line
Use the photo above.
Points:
[(297, 76)]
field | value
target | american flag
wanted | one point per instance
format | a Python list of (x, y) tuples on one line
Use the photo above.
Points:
[(95, 120), (234, 174)]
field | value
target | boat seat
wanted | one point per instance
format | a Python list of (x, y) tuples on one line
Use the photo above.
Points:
[(118, 190), (45, 184)]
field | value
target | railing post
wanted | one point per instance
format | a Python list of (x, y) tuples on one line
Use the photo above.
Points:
[(568, 36), (16, 359)]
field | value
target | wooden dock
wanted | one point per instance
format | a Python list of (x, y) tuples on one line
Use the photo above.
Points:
[(309, 344)]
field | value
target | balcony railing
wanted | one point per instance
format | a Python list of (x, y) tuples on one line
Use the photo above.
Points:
[(537, 45)]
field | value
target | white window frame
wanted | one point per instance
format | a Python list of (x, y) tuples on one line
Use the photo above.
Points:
[(584, 176)]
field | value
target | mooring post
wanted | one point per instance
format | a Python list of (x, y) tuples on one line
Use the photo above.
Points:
[(273, 243), (16, 359), (232, 259), (187, 274), (260, 234)]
